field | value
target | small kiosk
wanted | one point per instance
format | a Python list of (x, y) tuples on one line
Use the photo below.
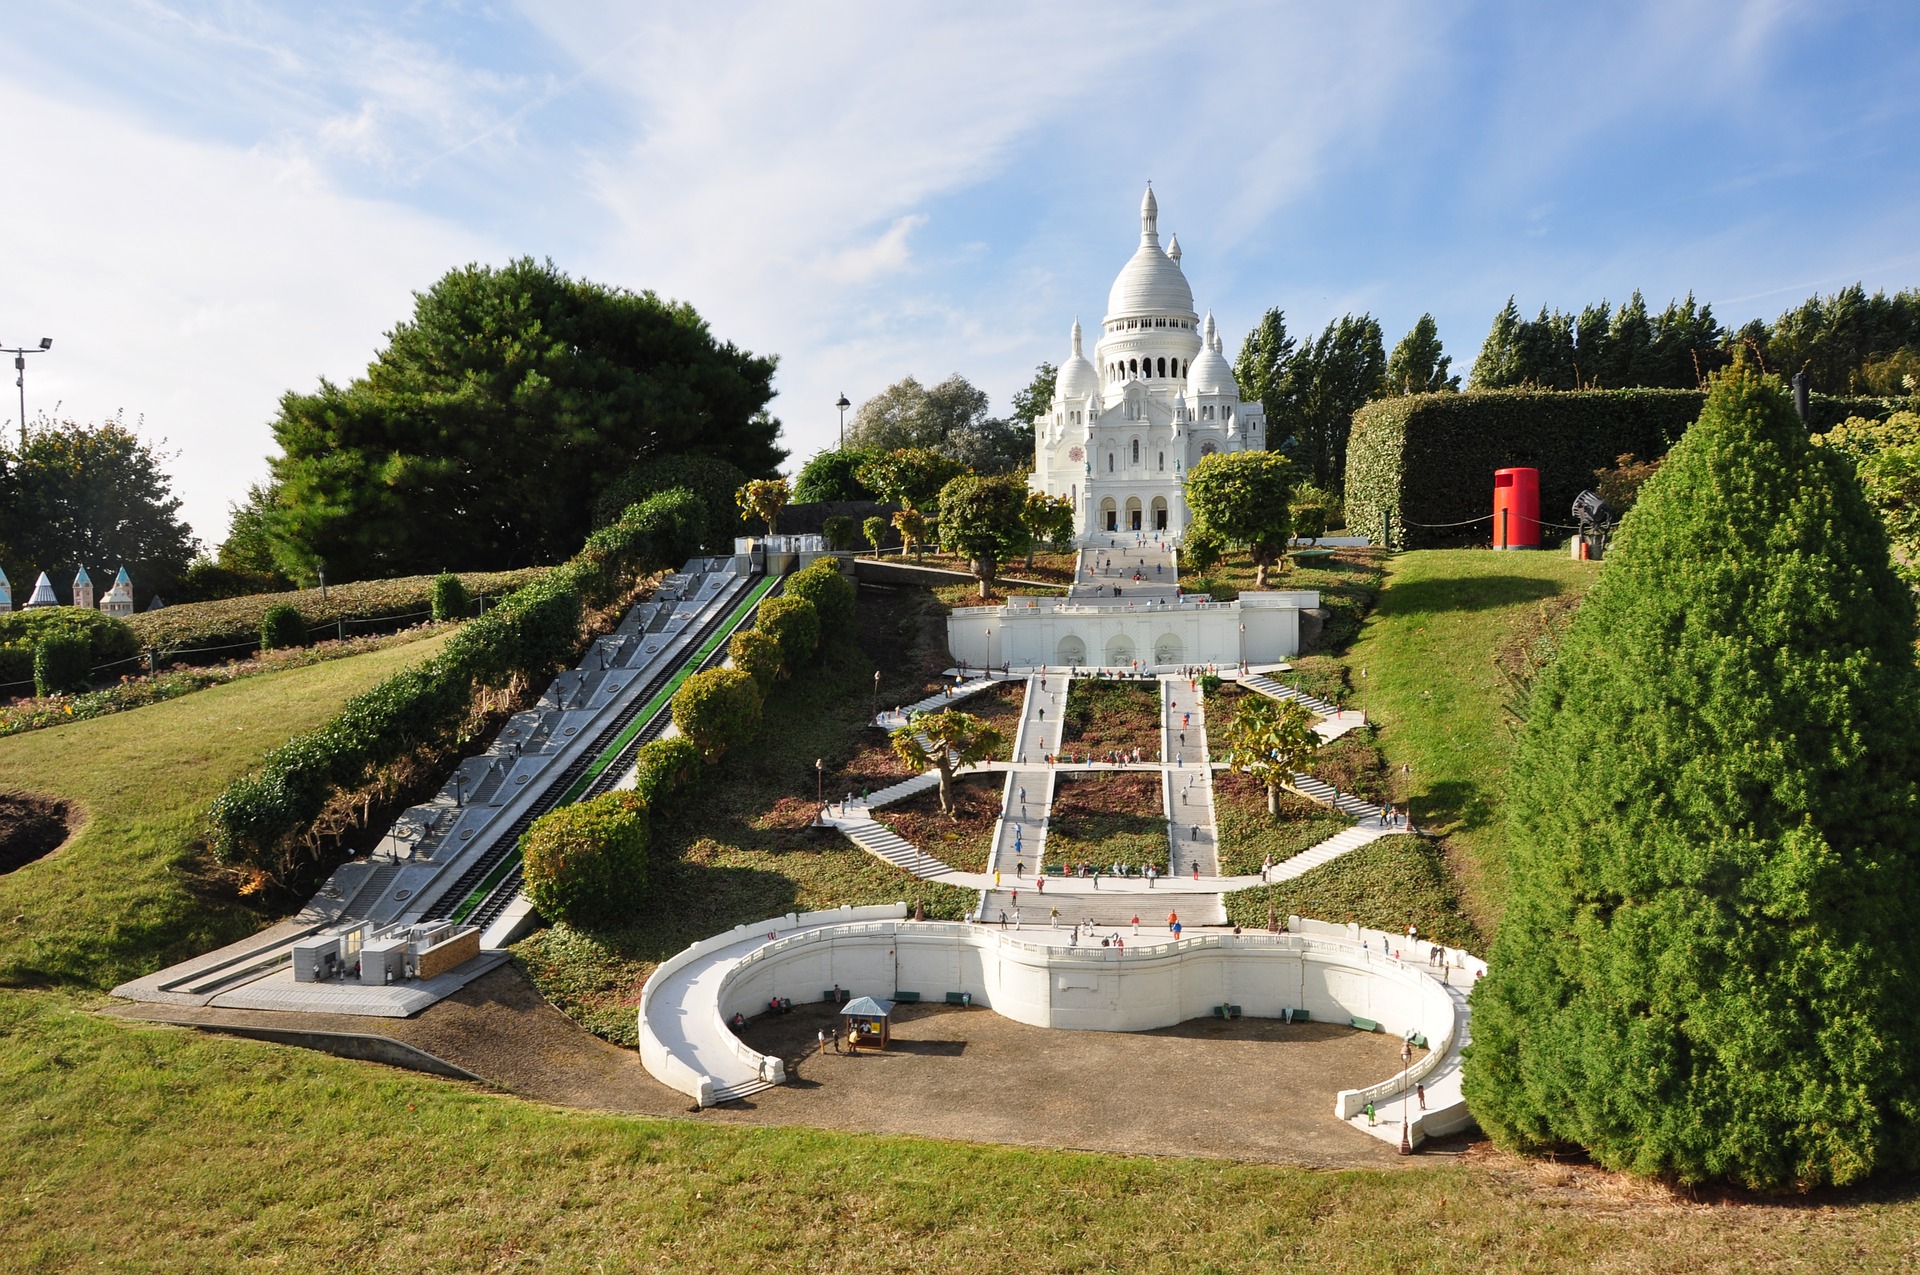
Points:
[(868, 1022)]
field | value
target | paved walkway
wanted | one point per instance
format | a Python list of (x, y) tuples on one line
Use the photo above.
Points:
[(1192, 838), (1108, 570), (894, 718)]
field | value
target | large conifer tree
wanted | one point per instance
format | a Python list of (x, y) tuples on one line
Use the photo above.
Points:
[(1706, 966)]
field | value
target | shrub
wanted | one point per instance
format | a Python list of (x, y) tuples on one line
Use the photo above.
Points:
[(16, 669), (841, 532), (1422, 460), (62, 664), (665, 769), (795, 624), (586, 864), (759, 654), (875, 530), (109, 640), (282, 626), (832, 594), (1705, 965), (207, 581), (449, 598), (710, 481), (717, 710)]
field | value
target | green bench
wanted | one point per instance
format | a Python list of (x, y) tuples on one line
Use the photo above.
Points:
[(1418, 1040), (836, 995), (907, 998), (1227, 1011), (1299, 1016), (960, 998), (1056, 871), (1363, 1024)]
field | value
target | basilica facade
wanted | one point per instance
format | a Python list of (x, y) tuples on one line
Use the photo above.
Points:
[(1158, 394)]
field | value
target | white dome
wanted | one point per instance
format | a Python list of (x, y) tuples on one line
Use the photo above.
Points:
[(1151, 281), (1210, 373), (1076, 380)]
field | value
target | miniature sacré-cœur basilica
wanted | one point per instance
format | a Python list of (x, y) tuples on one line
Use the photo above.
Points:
[(1158, 394)]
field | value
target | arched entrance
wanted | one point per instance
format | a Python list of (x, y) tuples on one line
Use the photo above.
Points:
[(1109, 514), (1119, 650), (1169, 649), (1159, 513), (1133, 513), (1071, 652)]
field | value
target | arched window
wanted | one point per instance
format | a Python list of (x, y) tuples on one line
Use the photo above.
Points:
[(1109, 462), (1163, 367), (1136, 451), (1163, 462), (1183, 369), (1133, 365)]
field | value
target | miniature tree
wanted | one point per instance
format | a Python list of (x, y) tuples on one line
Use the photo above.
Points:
[(832, 595), (910, 476), (762, 499), (795, 625), (759, 654), (1246, 499), (983, 520), (946, 740), (875, 530), (586, 864), (717, 710), (912, 526), (1271, 740), (1048, 519), (1706, 962)]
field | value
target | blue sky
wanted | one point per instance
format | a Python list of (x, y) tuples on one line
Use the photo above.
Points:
[(209, 204)]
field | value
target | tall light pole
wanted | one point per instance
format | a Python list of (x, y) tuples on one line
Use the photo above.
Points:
[(20, 378), (843, 405)]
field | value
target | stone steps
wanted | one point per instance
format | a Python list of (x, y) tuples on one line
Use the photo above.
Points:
[(1264, 685), (904, 789), (1107, 911), (1332, 848), (884, 843), (1327, 795)]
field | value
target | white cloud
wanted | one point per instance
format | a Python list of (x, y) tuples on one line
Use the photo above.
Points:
[(194, 283)]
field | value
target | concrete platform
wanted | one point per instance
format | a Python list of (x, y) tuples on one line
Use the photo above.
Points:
[(278, 991)]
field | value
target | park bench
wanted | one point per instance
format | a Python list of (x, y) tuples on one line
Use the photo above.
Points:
[(1363, 1024), (960, 998), (1227, 1011), (1419, 1041), (907, 998), (1056, 871), (837, 995)]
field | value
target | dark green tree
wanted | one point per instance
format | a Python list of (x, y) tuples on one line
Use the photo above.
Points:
[(249, 545), (496, 415), (1418, 365), (710, 480), (984, 521), (1498, 365), (1031, 403), (831, 475), (1261, 371), (1327, 381), (1707, 961), (911, 476), (1245, 498), (96, 496)]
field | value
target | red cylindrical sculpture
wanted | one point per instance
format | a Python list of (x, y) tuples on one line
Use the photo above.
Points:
[(1516, 509)]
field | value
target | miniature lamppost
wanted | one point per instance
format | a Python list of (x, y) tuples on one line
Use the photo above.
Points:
[(20, 378), (843, 405), (876, 695), (820, 780)]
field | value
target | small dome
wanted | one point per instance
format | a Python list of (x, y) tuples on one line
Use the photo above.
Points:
[(1210, 373), (1076, 379)]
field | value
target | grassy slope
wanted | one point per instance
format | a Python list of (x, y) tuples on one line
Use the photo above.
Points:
[(118, 901), (1431, 684)]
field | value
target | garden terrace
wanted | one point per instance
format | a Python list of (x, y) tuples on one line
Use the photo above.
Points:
[(963, 839), (1249, 837), (1106, 817), (1104, 716), (1386, 885)]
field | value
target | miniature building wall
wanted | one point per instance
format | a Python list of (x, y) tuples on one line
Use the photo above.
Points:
[(451, 954)]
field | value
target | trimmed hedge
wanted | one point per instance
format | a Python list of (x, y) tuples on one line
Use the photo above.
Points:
[(665, 769), (709, 480), (61, 661), (282, 627), (530, 634), (586, 864), (448, 598), (1421, 462), (759, 654), (717, 710), (832, 594), (795, 624), (108, 639)]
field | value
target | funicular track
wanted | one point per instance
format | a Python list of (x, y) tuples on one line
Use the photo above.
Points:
[(490, 885)]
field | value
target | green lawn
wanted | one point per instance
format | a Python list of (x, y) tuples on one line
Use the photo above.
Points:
[(1386, 885), (122, 898), (150, 1148), (1424, 670)]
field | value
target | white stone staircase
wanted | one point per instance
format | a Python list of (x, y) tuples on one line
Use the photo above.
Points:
[(883, 842), (1346, 803), (1332, 848), (904, 789), (1261, 684)]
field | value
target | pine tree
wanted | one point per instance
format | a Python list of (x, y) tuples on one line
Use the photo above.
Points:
[(1496, 367), (1706, 969), (1418, 365)]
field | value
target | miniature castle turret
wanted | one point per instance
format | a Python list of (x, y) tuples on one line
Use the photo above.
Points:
[(119, 599), (83, 589), (42, 594)]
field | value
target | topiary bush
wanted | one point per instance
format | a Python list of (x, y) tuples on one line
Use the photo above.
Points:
[(1706, 965), (62, 664), (109, 640), (717, 710), (449, 598), (841, 532), (759, 654), (586, 864), (795, 624), (281, 626), (665, 769), (833, 596)]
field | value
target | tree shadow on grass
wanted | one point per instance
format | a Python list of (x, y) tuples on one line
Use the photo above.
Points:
[(1454, 805), (1463, 593)]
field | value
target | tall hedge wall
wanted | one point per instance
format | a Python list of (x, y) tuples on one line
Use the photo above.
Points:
[(1420, 462)]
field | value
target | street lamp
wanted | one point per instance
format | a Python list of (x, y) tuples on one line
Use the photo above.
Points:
[(876, 695), (843, 405), (820, 777), (20, 378)]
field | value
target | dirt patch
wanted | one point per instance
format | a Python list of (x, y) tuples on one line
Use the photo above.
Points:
[(32, 827), (1107, 817), (1113, 717), (962, 839)]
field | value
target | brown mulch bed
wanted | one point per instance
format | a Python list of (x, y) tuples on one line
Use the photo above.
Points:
[(963, 839), (1107, 816), (32, 827), (1105, 716)]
